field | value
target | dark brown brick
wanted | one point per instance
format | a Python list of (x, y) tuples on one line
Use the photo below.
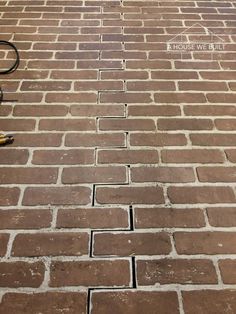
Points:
[(129, 195), (97, 110), (64, 157), (94, 218), (168, 218), (52, 244), (44, 302), (57, 196), (28, 175), (94, 174), (126, 244), (228, 270), (95, 140), (67, 124), (219, 301), (157, 139), (170, 271), (216, 174), (9, 196), (25, 218), (192, 156), (90, 273), (162, 174), (128, 156), (127, 124), (136, 302), (21, 274), (13, 156), (222, 216), (205, 242), (203, 194), (40, 110), (4, 237)]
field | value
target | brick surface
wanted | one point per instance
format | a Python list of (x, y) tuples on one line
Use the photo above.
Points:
[(175, 271), (46, 302), (198, 301), (131, 244), (134, 302), (118, 193), (25, 219), (90, 273), (21, 274), (52, 244)]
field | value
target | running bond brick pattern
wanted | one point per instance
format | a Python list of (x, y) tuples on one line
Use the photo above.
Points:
[(118, 194)]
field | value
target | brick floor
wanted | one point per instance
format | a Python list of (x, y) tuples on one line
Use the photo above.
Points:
[(118, 194)]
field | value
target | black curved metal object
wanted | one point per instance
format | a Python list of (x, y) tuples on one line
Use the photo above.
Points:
[(17, 57)]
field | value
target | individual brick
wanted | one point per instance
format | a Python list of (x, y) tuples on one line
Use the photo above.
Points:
[(28, 175), (231, 155), (192, 156), (4, 237), (40, 110), (162, 174), (9, 196), (126, 124), (50, 244), (79, 195), (128, 156), (67, 124), (129, 195), (44, 302), (136, 301), (219, 139), (21, 274), (45, 85), (150, 64), (202, 86), (168, 218), (198, 301), (37, 140), (17, 124), (205, 242), (216, 174), (13, 156), (178, 98), (95, 139), (128, 244), (25, 219), (225, 124), (171, 271), (227, 270), (93, 218), (203, 194), (150, 86), (184, 124), (157, 139), (153, 110), (124, 97), (97, 110), (64, 157), (209, 110), (221, 98), (98, 174), (93, 273), (98, 85), (71, 97), (222, 216)]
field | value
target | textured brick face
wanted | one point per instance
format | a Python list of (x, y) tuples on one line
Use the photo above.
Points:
[(118, 194)]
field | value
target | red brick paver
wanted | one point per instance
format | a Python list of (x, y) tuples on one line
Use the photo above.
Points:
[(118, 194)]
